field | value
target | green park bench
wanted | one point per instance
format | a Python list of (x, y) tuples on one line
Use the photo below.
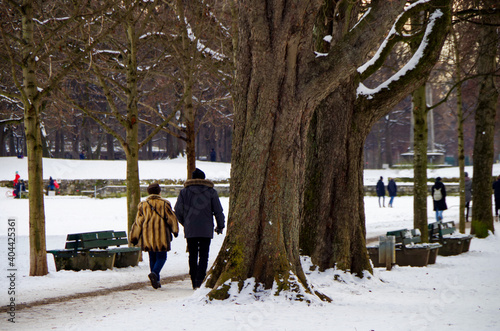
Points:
[(96, 251), (445, 233)]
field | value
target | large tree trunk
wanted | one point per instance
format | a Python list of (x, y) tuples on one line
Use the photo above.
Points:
[(482, 217), (262, 237), (420, 190), (38, 254), (279, 85), (332, 220)]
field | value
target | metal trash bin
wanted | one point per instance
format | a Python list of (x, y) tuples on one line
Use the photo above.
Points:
[(387, 251)]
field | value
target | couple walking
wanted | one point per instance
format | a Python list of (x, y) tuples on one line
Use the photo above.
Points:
[(155, 223)]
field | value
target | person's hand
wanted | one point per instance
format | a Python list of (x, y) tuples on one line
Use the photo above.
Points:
[(218, 230)]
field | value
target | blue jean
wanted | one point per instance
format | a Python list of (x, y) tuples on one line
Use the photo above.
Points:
[(439, 215), (390, 201), (156, 262)]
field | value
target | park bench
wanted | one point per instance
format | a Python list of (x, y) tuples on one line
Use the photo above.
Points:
[(445, 233), (411, 251), (96, 251)]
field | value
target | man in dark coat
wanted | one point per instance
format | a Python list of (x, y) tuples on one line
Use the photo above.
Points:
[(439, 198), (197, 204), (392, 188), (496, 191), (381, 191)]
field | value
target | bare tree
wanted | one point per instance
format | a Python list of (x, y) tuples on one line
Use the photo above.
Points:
[(36, 40)]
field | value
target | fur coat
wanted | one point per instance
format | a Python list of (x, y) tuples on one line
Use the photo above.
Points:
[(149, 228)]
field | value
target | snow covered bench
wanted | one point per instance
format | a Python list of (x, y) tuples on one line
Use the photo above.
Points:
[(96, 251), (445, 233), (410, 251)]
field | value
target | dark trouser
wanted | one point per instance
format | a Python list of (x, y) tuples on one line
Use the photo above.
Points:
[(497, 206), (156, 262), (198, 259)]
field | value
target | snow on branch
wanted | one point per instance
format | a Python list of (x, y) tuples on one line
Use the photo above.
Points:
[(390, 36), (410, 65), (203, 48)]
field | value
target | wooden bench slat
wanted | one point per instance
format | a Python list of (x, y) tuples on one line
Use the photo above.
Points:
[(90, 235), (95, 243)]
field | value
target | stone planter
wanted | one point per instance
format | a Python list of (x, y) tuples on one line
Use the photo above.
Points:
[(467, 239), (433, 253), (416, 256), (451, 246)]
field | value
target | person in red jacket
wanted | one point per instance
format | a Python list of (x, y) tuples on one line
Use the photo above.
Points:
[(16, 182)]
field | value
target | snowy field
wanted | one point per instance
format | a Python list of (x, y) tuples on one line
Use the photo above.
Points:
[(457, 293)]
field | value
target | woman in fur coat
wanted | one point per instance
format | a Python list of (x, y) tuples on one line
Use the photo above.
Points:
[(153, 228)]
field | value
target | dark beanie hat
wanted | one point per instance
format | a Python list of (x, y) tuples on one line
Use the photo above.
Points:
[(154, 188), (198, 174)]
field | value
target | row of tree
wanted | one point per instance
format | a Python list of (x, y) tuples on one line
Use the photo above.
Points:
[(165, 66), (308, 81)]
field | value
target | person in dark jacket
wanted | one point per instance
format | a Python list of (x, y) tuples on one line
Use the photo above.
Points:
[(381, 191), (392, 188), (439, 198), (468, 195), (197, 204), (496, 191), (153, 228)]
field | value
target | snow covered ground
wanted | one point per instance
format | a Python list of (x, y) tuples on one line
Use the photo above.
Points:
[(457, 293)]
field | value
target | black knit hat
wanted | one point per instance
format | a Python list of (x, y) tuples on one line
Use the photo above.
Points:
[(198, 174), (154, 188)]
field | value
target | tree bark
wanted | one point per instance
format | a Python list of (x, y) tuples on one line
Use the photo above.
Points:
[(333, 218), (132, 127), (482, 217), (38, 254), (460, 134), (110, 147), (420, 190)]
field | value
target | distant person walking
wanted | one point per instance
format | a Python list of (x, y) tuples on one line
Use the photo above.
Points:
[(196, 206), (213, 155), (496, 191), (153, 228), (51, 186), (439, 198), (15, 193), (19, 189), (392, 188), (468, 195), (381, 191)]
